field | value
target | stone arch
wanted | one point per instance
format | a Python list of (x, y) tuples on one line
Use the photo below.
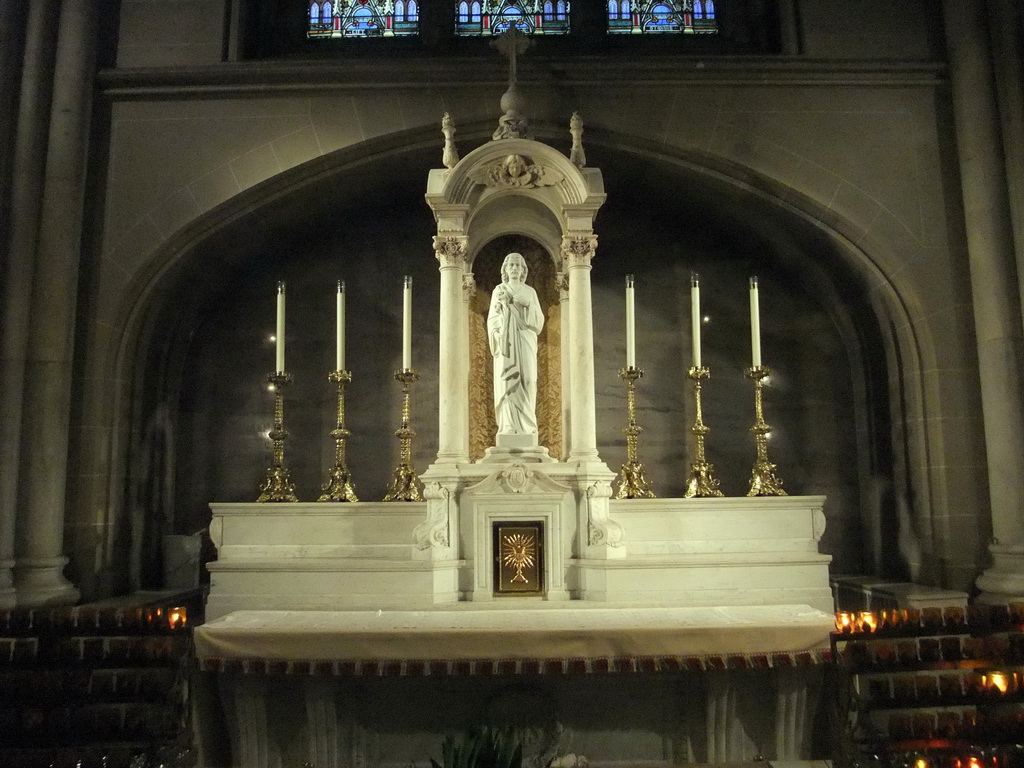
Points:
[(138, 317)]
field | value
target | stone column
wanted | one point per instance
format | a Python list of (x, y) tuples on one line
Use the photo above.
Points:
[(47, 403), (26, 193), (1007, 28), (563, 301), (997, 311), (13, 20), (322, 719), (720, 717), (577, 253), (453, 378), (245, 704)]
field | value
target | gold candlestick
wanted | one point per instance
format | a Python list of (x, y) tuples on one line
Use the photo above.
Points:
[(763, 480), (339, 482), (702, 480), (406, 484), (278, 485), (632, 484)]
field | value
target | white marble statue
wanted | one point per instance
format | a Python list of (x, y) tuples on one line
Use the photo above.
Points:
[(514, 320)]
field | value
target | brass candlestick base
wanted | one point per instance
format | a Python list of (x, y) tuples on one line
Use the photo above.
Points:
[(339, 482), (406, 484), (278, 485), (702, 481), (763, 480), (632, 484)]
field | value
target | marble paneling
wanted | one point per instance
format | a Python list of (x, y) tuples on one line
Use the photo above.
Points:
[(156, 155), (213, 188), (867, 147), (379, 115), (176, 210), (126, 256), (336, 121), (254, 166), (297, 147)]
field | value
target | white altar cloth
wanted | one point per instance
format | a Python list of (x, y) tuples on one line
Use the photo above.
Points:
[(505, 633)]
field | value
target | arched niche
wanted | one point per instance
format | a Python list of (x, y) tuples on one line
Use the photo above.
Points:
[(170, 305), (543, 276)]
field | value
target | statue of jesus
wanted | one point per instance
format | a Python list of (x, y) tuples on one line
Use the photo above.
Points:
[(513, 322)]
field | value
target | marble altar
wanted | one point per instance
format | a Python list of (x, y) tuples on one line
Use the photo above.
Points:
[(370, 555), (645, 686), (384, 619)]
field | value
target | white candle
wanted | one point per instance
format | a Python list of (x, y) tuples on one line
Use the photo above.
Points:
[(280, 327), (755, 325), (630, 324), (407, 324), (695, 318), (339, 352)]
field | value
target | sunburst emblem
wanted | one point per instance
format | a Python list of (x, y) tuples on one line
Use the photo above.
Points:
[(517, 551)]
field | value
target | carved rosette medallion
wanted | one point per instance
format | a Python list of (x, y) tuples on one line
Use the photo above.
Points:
[(518, 477), (450, 250), (578, 250)]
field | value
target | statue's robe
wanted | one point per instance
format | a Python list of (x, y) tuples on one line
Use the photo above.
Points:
[(512, 330)]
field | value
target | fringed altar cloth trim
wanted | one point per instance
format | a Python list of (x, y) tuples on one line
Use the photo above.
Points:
[(462, 668), (499, 640)]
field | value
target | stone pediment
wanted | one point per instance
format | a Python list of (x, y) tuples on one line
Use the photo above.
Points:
[(516, 164), (517, 478)]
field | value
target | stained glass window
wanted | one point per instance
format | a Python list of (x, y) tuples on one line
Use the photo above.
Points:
[(493, 17), (676, 17), (363, 18)]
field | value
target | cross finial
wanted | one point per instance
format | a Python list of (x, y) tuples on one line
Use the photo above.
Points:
[(511, 44)]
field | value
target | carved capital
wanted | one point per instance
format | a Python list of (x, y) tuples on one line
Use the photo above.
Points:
[(450, 250), (562, 281), (578, 250)]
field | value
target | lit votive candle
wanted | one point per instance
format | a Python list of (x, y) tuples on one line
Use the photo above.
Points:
[(843, 622)]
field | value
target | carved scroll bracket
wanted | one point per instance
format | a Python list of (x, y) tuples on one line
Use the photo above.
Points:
[(432, 538), (604, 535)]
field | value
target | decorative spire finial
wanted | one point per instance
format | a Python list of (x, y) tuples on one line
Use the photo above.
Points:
[(450, 156), (576, 155), (512, 124)]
